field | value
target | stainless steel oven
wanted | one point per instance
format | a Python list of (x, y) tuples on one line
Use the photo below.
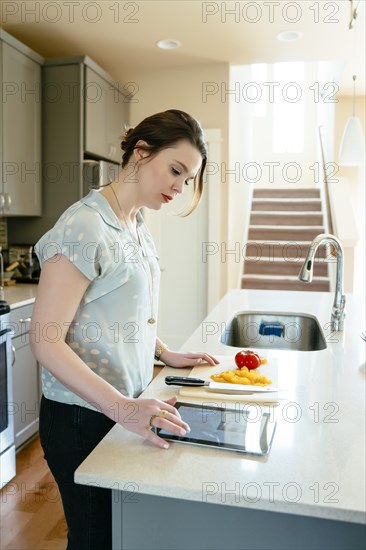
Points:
[(7, 439), (97, 173)]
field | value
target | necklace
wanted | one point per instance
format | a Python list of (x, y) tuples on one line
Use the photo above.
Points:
[(151, 320)]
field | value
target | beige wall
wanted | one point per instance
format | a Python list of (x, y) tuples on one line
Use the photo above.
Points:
[(355, 181), (181, 88)]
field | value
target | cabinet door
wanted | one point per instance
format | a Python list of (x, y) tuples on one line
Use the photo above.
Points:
[(117, 119), (26, 392), (21, 133), (96, 96), (106, 111)]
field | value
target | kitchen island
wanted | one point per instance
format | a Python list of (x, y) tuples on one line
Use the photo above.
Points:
[(308, 493)]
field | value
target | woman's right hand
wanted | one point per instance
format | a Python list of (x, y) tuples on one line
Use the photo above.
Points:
[(137, 413)]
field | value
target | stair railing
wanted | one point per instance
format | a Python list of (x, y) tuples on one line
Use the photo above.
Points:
[(324, 188), (331, 253)]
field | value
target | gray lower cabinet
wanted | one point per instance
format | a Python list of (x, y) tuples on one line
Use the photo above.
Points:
[(20, 192), (198, 525), (26, 378)]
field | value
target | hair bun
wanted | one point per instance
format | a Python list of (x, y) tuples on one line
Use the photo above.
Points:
[(125, 139)]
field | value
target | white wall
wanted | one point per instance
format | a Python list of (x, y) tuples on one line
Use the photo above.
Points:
[(240, 189), (353, 177)]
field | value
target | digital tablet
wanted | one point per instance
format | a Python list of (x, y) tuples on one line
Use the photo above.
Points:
[(224, 428)]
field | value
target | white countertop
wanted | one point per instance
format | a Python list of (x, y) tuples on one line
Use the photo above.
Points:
[(19, 295), (316, 466)]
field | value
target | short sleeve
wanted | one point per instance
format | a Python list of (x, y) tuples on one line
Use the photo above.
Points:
[(78, 235)]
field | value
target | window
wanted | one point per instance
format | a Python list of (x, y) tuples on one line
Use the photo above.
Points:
[(257, 90)]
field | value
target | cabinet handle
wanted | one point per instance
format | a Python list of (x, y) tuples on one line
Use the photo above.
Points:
[(26, 320), (7, 201), (2, 201), (13, 353)]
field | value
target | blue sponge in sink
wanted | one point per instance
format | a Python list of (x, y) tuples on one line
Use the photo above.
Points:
[(271, 329)]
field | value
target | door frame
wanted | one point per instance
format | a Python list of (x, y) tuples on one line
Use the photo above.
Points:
[(214, 140)]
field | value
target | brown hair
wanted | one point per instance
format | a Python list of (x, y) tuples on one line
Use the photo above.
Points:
[(164, 130)]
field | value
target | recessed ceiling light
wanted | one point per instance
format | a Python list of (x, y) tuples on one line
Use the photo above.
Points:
[(168, 44), (289, 36)]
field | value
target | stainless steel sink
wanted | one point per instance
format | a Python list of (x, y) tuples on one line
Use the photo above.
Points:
[(272, 330)]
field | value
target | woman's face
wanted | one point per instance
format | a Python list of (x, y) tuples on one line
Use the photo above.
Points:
[(164, 176)]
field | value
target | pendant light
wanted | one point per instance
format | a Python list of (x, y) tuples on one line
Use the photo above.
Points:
[(352, 148), (354, 14)]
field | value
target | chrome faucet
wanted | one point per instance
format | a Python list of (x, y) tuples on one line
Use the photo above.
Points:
[(306, 275)]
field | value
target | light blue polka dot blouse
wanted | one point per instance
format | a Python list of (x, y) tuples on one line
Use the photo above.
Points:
[(110, 331)]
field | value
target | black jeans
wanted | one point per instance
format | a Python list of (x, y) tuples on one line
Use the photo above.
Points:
[(68, 434)]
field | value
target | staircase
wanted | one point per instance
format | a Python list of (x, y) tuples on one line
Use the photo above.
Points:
[(283, 223)]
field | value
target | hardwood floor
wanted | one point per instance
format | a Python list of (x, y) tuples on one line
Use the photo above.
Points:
[(31, 512)]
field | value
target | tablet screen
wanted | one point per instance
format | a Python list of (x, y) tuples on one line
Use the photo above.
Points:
[(225, 428)]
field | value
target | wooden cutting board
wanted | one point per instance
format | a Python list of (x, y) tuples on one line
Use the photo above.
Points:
[(270, 370)]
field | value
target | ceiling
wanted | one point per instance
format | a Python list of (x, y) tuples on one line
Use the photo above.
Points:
[(121, 35)]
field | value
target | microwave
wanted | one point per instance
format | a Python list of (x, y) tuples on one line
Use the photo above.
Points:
[(97, 173)]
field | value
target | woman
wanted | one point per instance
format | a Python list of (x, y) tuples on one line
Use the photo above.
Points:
[(94, 320)]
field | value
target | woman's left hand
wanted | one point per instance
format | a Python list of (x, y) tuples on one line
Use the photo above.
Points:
[(176, 359)]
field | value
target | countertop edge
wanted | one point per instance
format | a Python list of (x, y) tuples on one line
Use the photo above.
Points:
[(22, 303), (276, 506), (20, 295)]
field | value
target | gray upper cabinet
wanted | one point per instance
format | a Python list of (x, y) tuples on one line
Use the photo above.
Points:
[(105, 116), (21, 133), (83, 116)]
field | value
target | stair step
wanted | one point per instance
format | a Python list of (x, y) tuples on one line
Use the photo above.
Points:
[(289, 218), (271, 232), (319, 284), (287, 205), (286, 193), (287, 249), (282, 267)]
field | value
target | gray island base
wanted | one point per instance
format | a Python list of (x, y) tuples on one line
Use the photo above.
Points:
[(159, 523)]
